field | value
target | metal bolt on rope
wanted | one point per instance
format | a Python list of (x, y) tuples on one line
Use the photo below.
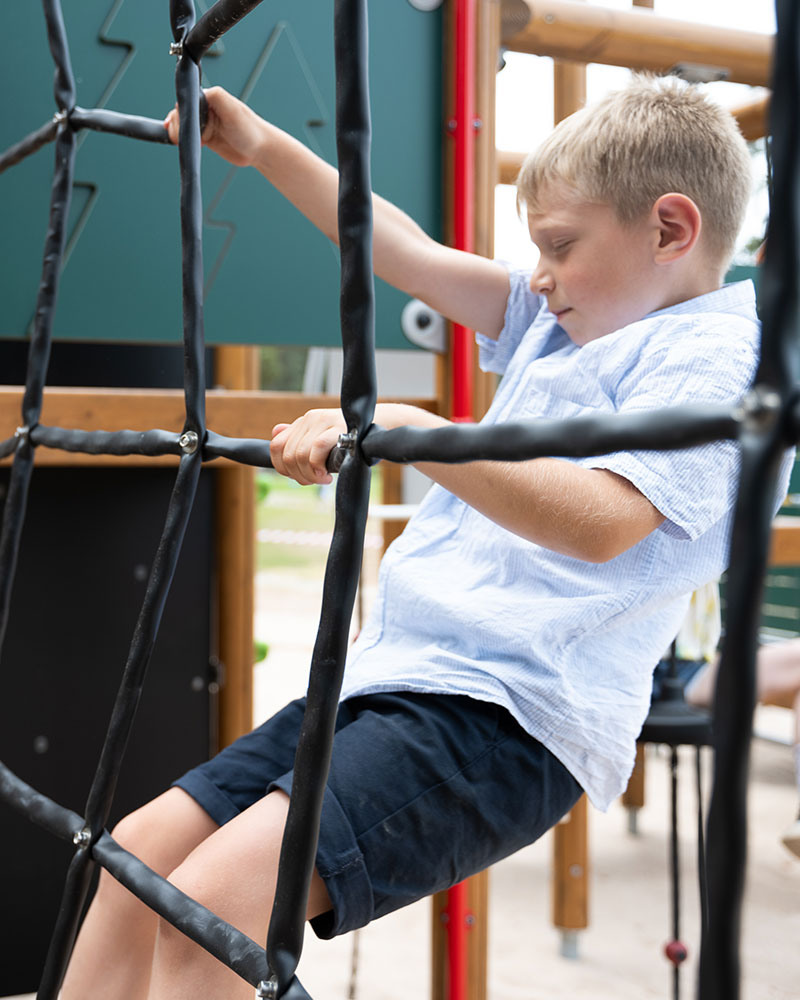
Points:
[(347, 441), (22, 432), (758, 407), (176, 48), (60, 116), (267, 989), (82, 838), (189, 442)]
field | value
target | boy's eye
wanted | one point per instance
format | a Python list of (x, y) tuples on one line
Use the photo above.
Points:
[(562, 246)]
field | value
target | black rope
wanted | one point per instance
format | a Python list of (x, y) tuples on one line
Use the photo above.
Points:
[(25, 147), (675, 868), (214, 23), (298, 850)]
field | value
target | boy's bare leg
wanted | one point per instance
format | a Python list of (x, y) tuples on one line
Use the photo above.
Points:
[(233, 873), (114, 952)]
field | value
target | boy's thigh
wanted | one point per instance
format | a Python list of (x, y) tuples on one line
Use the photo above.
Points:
[(423, 791)]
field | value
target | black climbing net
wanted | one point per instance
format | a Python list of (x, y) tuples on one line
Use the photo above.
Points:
[(765, 423)]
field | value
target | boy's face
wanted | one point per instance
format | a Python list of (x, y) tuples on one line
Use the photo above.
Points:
[(597, 274)]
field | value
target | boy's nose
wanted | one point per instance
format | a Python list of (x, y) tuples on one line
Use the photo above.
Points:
[(541, 281)]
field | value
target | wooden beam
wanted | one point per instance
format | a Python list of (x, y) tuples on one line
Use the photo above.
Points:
[(752, 118), (639, 39), (229, 412), (235, 368)]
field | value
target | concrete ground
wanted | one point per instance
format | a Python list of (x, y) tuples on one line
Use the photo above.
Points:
[(620, 954)]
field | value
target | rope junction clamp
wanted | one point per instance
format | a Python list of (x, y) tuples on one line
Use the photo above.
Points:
[(82, 838), (22, 432), (758, 407), (176, 48), (267, 989), (189, 442), (60, 116)]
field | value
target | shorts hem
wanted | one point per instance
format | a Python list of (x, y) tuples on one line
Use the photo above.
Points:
[(341, 866), (208, 796)]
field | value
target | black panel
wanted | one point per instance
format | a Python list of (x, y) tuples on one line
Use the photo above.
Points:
[(90, 536)]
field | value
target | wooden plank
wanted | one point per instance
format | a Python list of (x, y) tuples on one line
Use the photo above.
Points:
[(639, 39), (231, 413)]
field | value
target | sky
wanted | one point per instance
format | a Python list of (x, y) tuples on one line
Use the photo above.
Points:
[(524, 113)]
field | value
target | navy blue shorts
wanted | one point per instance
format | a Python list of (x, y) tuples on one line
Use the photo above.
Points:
[(423, 791)]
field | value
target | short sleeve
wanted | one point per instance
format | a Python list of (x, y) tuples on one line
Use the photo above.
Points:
[(521, 310), (712, 362)]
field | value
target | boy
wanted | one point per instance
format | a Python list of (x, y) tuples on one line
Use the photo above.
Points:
[(506, 666)]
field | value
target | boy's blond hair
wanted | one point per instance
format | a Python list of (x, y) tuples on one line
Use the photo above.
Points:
[(656, 136)]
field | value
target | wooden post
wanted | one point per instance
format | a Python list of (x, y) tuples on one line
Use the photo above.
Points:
[(571, 877), (235, 368)]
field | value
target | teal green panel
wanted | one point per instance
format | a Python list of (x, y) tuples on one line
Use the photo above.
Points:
[(270, 276)]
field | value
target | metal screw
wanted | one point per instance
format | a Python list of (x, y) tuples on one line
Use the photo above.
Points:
[(189, 442), (452, 125), (82, 838), (348, 440), (477, 124), (268, 989), (576, 871), (549, 18), (757, 407), (176, 48)]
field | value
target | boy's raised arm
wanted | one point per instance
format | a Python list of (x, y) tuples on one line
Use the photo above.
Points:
[(466, 288)]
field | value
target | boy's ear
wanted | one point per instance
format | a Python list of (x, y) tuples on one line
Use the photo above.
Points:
[(679, 222)]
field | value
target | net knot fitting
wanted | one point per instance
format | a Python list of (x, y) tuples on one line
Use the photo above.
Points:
[(344, 446), (61, 116), (189, 442), (176, 48), (267, 989), (22, 432), (82, 838), (758, 408)]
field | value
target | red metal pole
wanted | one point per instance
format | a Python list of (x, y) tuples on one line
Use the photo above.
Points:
[(457, 914), (462, 126)]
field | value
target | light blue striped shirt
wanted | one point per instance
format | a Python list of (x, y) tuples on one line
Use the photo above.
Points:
[(568, 647)]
